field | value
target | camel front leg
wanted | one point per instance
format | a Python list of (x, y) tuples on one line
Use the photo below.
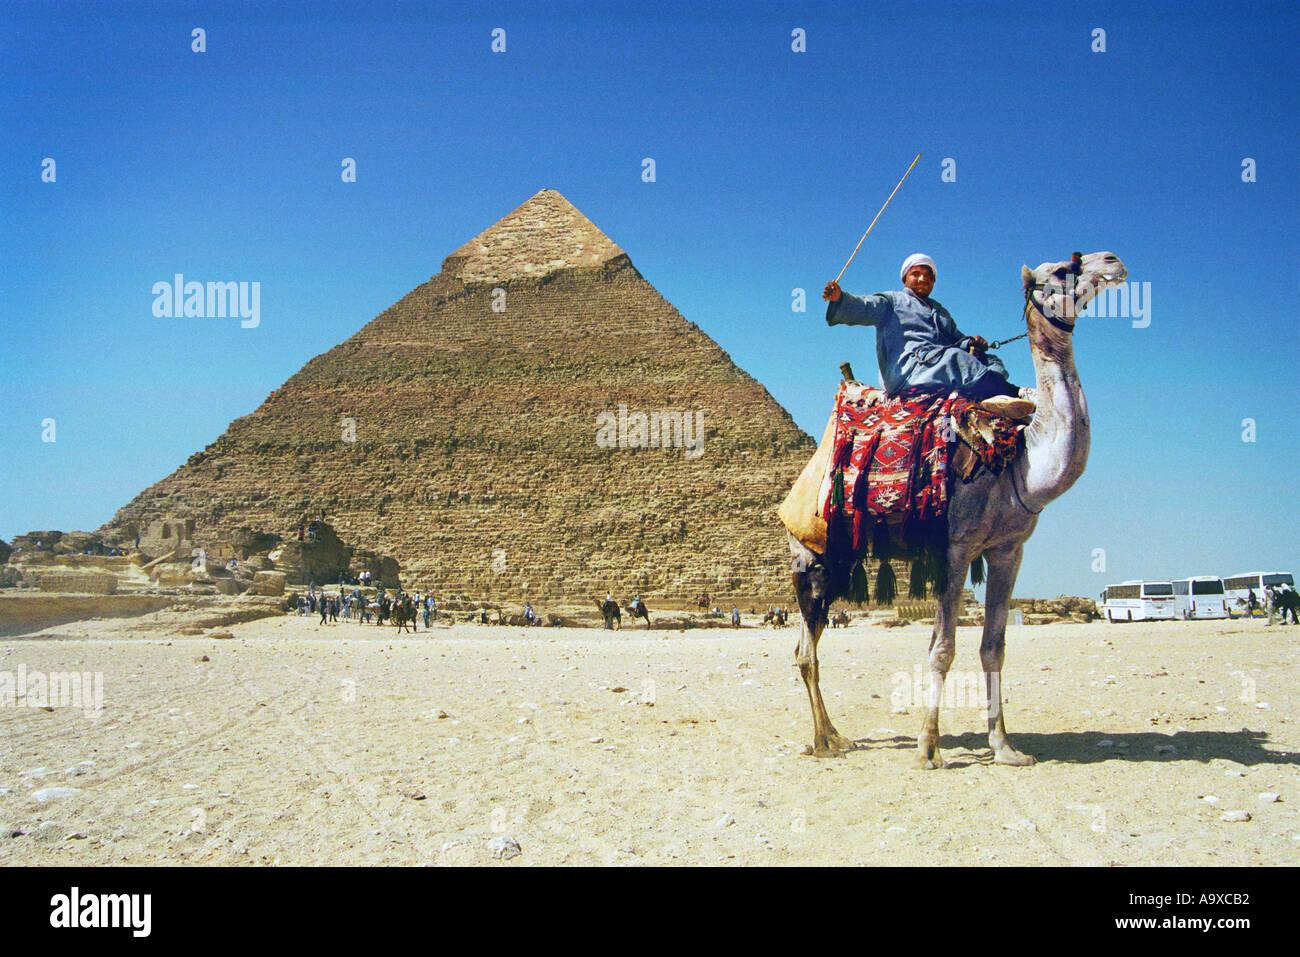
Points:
[(943, 647), (827, 742), (1003, 565), (812, 588)]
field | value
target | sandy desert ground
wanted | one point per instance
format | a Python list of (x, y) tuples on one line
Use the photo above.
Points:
[(292, 743)]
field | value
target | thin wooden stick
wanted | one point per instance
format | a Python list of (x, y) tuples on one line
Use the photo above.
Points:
[(873, 222)]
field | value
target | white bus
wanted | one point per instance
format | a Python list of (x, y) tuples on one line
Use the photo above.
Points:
[(1138, 601), (1200, 597), (1237, 589)]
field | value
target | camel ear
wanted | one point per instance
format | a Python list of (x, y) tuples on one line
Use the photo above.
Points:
[(1026, 275)]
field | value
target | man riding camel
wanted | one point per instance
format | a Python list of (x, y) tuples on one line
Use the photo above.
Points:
[(919, 346)]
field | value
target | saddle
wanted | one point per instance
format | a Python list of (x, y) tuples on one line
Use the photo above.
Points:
[(892, 460)]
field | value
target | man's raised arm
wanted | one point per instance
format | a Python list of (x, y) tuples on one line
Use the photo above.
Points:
[(844, 308)]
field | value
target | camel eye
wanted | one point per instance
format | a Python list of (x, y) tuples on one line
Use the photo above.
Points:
[(1060, 273)]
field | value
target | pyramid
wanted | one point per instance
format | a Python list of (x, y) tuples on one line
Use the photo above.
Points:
[(486, 409)]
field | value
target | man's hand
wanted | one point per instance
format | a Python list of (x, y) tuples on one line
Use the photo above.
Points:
[(977, 346), (832, 291)]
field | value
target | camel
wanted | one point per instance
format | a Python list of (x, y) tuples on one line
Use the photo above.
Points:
[(840, 619), (639, 610), (613, 617), (776, 618), (403, 614), (990, 516)]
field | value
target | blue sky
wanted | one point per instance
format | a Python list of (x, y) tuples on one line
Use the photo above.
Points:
[(769, 165)]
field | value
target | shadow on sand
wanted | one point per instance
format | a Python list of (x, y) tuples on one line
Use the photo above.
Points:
[(1085, 747)]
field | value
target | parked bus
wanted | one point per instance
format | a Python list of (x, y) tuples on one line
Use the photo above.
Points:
[(1138, 601), (1237, 589), (1199, 597)]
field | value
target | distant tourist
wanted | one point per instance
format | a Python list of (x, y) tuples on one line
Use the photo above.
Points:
[(1251, 603), (735, 617)]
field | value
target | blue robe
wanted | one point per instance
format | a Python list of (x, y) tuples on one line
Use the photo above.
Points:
[(918, 345)]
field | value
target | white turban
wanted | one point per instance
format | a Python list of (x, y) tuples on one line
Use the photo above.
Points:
[(916, 259)]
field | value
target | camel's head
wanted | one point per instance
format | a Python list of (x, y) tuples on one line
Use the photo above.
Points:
[(1062, 290)]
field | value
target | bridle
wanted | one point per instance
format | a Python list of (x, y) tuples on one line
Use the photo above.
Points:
[(1076, 267)]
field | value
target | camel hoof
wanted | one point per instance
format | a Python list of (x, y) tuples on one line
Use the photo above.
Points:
[(821, 751), (829, 746), (926, 763), (1012, 757)]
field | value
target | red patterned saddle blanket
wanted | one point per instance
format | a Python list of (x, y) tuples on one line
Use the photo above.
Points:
[(891, 456)]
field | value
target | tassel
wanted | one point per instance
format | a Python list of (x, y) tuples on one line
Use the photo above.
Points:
[(859, 591), (837, 488), (977, 570), (880, 542), (916, 579), (938, 559), (886, 584)]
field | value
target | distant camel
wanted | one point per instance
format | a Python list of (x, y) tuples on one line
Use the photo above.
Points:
[(639, 610), (776, 617), (840, 619), (404, 614), (613, 617)]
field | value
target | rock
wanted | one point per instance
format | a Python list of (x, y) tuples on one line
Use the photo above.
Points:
[(48, 831), (724, 822), (1234, 817), (1105, 743), (268, 583), (596, 740), (221, 635), (1270, 797), (443, 714), (619, 689), (50, 794), (504, 848)]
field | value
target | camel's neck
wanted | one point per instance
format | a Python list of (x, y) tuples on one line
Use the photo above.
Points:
[(1056, 442)]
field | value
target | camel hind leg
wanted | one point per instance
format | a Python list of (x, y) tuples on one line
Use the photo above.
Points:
[(1003, 564), (812, 587)]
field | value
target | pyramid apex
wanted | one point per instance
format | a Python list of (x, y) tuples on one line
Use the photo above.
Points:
[(545, 234)]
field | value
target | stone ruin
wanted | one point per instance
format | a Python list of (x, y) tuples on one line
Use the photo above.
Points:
[(174, 553)]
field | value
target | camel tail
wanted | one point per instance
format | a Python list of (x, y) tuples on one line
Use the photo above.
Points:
[(977, 570)]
